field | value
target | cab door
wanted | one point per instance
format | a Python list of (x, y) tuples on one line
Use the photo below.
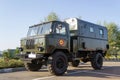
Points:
[(73, 44), (61, 38)]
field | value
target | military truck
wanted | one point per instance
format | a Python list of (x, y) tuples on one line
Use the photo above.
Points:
[(59, 43)]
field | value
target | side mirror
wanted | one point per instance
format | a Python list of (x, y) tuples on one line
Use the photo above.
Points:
[(59, 26), (50, 30)]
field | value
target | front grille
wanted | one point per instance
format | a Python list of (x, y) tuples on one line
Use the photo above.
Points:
[(30, 44)]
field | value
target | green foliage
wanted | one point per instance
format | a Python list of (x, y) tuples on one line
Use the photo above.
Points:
[(11, 53), (52, 16), (6, 54), (3, 64), (112, 33), (113, 38), (17, 51), (12, 63), (15, 63), (9, 59)]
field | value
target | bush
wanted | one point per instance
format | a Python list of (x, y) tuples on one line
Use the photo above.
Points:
[(12, 63), (3, 64), (15, 63), (6, 54)]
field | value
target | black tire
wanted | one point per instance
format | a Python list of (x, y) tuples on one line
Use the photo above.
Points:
[(32, 66), (59, 64), (75, 63), (97, 61)]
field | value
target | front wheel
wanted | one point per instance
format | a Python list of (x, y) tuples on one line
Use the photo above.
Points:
[(97, 61), (34, 66), (59, 63)]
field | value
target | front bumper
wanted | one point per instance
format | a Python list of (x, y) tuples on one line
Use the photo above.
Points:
[(28, 59)]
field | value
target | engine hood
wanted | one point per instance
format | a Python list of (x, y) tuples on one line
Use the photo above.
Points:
[(31, 44)]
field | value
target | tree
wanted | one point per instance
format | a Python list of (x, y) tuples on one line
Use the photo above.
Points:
[(6, 55), (9, 54), (113, 38), (52, 16), (17, 51)]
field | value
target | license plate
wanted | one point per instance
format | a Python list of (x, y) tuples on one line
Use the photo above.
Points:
[(32, 55)]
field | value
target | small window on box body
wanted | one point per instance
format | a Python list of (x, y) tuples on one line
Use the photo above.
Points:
[(101, 32), (91, 29)]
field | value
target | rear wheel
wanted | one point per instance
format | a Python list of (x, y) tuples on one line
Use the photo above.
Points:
[(59, 63), (34, 66), (97, 61)]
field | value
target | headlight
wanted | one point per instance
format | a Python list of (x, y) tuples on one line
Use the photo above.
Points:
[(40, 49), (21, 49)]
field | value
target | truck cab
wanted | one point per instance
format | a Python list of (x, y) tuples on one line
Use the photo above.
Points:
[(43, 41), (46, 37)]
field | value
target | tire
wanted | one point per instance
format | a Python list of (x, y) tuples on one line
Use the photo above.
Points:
[(75, 63), (59, 64), (97, 61), (32, 66)]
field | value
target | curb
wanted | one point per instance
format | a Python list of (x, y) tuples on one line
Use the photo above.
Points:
[(8, 70)]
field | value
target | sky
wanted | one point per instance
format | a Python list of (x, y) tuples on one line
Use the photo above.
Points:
[(17, 15)]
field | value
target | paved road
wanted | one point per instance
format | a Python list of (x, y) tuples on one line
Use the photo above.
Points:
[(110, 71)]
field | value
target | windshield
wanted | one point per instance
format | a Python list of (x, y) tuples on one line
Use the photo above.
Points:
[(40, 29)]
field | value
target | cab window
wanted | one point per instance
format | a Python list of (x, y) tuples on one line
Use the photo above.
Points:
[(60, 29)]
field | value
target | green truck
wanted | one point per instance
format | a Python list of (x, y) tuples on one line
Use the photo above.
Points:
[(59, 43)]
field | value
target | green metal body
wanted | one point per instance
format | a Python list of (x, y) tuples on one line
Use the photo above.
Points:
[(76, 37)]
